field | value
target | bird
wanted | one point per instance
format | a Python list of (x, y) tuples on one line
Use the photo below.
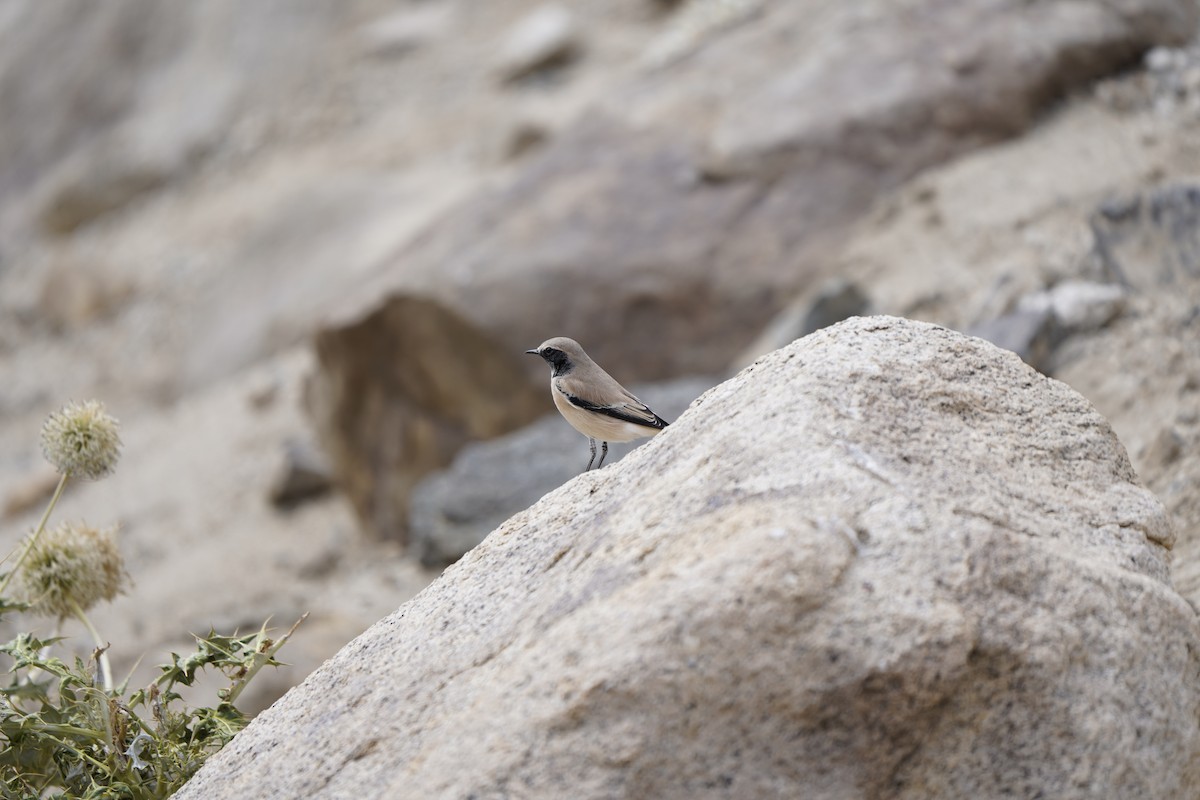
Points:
[(591, 400)]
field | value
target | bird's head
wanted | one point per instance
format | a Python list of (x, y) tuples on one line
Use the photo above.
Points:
[(561, 353)]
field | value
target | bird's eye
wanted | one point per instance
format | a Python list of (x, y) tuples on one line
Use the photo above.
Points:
[(550, 351)]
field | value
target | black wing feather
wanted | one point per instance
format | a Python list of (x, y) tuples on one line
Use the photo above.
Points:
[(616, 412)]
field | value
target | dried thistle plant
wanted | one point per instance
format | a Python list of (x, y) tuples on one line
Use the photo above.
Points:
[(72, 568), (65, 730), (82, 440)]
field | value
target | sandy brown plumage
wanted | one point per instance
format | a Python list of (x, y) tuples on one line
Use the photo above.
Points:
[(591, 400)]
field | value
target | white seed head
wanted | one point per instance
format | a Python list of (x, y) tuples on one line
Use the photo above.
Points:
[(73, 562), (81, 440)]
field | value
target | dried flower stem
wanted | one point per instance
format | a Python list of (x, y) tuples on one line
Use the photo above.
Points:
[(101, 645), (62, 484)]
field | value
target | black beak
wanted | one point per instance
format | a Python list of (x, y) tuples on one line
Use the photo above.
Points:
[(532, 353)]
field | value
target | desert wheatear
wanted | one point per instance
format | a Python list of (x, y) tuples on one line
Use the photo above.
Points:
[(591, 399)]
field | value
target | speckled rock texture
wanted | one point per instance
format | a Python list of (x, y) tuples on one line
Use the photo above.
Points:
[(886, 561)]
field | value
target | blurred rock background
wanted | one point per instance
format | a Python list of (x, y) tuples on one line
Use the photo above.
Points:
[(298, 248)]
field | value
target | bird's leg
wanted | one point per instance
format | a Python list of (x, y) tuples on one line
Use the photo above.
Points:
[(592, 442), (603, 453)]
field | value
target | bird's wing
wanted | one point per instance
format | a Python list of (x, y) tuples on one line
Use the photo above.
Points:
[(628, 409)]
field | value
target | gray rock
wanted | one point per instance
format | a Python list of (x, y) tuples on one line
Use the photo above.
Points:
[(1150, 239), (949, 64), (1160, 59), (453, 510), (96, 181), (546, 37), (1032, 334), (827, 304), (31, 492), (76, 292), (49, 52), (102, 103), (519, 139), (1043, 320), (888, 560), (401, 32), (1077, 306), (303, 475), (696, 24), (1165, 449)]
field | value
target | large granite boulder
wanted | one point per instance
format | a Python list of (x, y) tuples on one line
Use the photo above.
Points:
[(886, 561)]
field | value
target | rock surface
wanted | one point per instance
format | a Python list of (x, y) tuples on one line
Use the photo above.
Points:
[(454, 509), (400, 32), (983, 232), (1147, 374), (822, 306), (682, 208), (1151, 239), (546, 37), (1042, 320), (303, 476), (1031, 334), (174, 81), (887, 561), (1077, 306)]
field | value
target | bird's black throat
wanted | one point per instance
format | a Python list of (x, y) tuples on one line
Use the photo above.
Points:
[(559, 363)]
